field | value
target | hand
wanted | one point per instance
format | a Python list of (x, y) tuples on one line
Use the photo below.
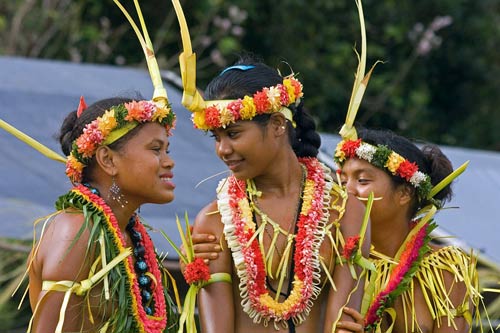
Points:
[(349, 326), (205, 247)]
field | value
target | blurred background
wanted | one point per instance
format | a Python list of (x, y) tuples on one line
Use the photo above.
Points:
[(441, 71), (439, 82)]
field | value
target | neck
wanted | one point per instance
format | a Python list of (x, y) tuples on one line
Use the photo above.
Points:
[(282, 177), (388, 237), (122, 214)]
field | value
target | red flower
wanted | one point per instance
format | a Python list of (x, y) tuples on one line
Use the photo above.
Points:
[(406, 169), (284, 98), (196, 271), (235, 108), (261, 102), (351, 245), (349, 147), (212, 117)]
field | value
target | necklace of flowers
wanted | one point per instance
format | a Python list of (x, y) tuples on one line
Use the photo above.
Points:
[(409, 257), (240, 233), (156, 322)]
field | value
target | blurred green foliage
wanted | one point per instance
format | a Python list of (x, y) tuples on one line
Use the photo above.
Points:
[(439, 81)]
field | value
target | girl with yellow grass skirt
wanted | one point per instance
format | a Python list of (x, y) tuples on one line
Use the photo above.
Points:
[(417, 286)]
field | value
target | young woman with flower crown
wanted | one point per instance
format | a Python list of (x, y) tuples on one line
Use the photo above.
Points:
[(418, 286), (279, 215), (95, 267)]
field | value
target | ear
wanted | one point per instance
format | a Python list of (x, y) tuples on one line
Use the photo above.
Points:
[(105, 158), (278, 123), (405, 194)]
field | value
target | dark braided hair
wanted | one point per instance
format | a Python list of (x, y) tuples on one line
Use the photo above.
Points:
[(237, 83)]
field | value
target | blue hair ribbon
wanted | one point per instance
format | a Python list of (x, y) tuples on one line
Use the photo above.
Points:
[(239, 67)]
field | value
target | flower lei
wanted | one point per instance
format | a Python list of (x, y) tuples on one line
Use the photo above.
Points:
[(268, 100), (384, 158), (415, 248), (142, 322), (113, 124), (240, 229)]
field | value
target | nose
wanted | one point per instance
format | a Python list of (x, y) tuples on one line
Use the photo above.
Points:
[(350, 186), (223, 148), (167, 161)]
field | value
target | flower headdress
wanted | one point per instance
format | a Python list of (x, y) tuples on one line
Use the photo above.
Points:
[(208, 115), (117, 120), (380, 156), (121, 119)]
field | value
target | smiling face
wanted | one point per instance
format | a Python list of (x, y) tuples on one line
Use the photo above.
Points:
[(145, 167), (360, 178), (246, 147)]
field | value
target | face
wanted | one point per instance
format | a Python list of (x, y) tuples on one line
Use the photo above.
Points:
[(245, 147), (360, 178), (145, 167)]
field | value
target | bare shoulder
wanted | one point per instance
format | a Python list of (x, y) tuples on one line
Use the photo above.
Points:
[(208, 220), (63, 248)]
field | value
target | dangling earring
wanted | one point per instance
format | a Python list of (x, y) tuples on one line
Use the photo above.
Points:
[(116, 195)]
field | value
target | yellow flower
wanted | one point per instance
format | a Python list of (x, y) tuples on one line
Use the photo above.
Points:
[(246, 215), (161, 112), (307, 196), (339, 153), (274, 98), (290, 90), (226, 117), (393, 162), (107, 122), (248, 111)]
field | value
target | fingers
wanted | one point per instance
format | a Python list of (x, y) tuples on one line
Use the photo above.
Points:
[(358, 318), (207, 250), (348, 326), (202, 238)]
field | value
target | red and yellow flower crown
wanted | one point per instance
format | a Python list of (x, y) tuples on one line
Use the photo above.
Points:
[(122, 118), (269, 100), (118, 120), (208, 115), (386, 159), (111, 126)]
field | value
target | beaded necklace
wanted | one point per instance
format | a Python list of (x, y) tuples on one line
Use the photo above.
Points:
[(143, 281)]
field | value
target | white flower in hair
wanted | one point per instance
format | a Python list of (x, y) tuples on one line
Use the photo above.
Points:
[(417, 178), (366, 151)]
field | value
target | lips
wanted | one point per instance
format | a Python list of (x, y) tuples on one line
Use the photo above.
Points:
[(233, 164), (167, 179)]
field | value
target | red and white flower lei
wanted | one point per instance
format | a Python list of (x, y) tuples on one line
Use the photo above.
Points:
[(239, 228)]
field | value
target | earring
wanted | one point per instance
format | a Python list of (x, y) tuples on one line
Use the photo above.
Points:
[(116, 195), (282, 127)]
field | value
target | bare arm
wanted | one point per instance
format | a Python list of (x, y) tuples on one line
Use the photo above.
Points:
[(457, 293), (350, 225), (219, 295)]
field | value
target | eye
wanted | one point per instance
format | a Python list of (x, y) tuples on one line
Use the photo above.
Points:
[(215, 137), (232, 134), (363, 181)]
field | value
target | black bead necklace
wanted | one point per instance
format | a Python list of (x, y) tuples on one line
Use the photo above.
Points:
[(141, 266)]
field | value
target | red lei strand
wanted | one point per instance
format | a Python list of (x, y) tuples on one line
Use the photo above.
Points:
[(158, 321)]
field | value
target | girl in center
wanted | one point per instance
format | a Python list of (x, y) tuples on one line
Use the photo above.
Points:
[(280, 217)]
